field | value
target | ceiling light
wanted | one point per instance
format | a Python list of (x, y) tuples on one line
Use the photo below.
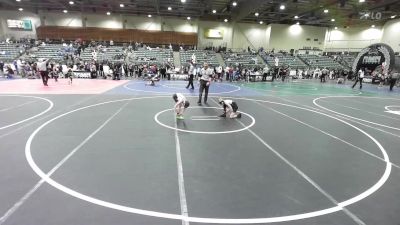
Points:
[(21, 9), (335, 28), (326, 10), (234, 3), (361, 1), (188, 18), (282, 7), (298, 23), (169, 8), (108, 13), (225, 20), (256, 14), (183, 1), (214, 11), (392, 17), (333, 20), (121, 5), (149, 16), (261, 22), (18, 0), (296, 17), (71, 2), (65, 11), (372, 26)]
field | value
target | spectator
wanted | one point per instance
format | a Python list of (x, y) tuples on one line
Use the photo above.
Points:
[(359, 78)]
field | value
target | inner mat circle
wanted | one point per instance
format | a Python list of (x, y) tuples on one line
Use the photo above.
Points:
[(157, 119), (47, 178)]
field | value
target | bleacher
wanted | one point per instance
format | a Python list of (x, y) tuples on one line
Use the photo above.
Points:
[(244, 58), (320, 61), (110, 54), (9, 52), (202, 57), (154, 56), (105, 54), (284, 59), (347, 60), (86, 55), (50, 51)]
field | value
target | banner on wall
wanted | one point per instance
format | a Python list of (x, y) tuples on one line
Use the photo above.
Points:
[(214, 34), (375, 57), (19, 24)]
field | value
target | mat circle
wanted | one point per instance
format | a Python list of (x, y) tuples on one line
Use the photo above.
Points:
[(51, 104), (315, 102), (390, 107), (253, 121), (339, 207)]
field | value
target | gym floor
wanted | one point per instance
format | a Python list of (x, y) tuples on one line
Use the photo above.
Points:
[(113, 153)]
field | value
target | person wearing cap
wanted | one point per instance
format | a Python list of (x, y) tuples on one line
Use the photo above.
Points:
[(230, 108), (205, 80), (180, 105)]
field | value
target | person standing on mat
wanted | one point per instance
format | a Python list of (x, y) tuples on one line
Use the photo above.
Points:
[(359, 78), (230, 108), (205, 81), (69, 75), (180, 105), (323, 75), (192, 70), (42, 67), (393, 77)]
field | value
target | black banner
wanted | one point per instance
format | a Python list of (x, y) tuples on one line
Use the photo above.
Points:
[(375, 57)]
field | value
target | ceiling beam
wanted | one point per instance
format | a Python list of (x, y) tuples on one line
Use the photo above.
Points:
[(244, 8), (8, 2), (157, 6), (207, 4)]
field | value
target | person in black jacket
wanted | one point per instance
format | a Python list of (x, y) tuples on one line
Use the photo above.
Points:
[(393, 77), (163, 72), (101, 70), (1, 68)]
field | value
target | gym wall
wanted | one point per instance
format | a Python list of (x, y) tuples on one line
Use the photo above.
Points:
[(235, 35)]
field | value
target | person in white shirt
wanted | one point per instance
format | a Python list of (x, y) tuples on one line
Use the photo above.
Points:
[(276, 61), (230, 108), (192, 71), (180, 105), (205, 81), (219, 72), (360, 77), (317, 73), (42, 68)]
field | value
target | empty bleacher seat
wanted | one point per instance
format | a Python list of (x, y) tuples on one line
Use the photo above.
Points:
[(202, 57)]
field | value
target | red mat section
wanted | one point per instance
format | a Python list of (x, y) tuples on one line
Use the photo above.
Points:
[(79, 86)]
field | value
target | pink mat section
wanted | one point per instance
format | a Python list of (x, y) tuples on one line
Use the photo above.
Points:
[(79, 86)]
